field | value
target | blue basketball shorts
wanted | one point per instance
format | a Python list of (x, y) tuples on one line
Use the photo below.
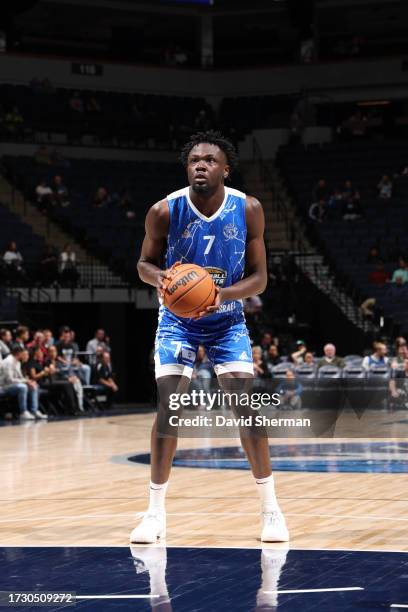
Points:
[(227, 347)]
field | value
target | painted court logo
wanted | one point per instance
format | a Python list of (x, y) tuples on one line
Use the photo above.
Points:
[(182, 282)]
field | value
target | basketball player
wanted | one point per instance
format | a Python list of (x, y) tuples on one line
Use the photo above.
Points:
[(221, 229)]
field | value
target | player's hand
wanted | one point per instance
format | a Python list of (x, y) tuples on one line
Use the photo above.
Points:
[(163, 277), (214, 306)]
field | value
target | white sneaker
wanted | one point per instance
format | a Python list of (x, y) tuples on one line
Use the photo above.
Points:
[(152, 528), (274, 527), (27, 416), (40, 415)]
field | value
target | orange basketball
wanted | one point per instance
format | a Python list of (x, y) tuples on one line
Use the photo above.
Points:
[(190, 290)]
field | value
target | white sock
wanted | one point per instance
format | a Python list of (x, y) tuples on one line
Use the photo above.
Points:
[(266, 490), (157, 497)]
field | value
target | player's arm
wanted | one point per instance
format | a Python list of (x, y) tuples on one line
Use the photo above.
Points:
[(256, 271), (154, 245)]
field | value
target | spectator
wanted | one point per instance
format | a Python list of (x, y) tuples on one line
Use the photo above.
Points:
[(13, 261), (48, 271), (60, 373), (265, 343), (253, 304), (126, 203), (401, 272), (377, 358), (379, 276), (6, 340), (13, 383), (60, 191), (104, 376), (290, 391), (399, 341), (385, 188), (330, 357), (308, 359), (351, 202), (100, 340), (67, 356), (22, 336), (398, 387), (320, 192), (48, 338), (101, 198), (401, 356), (37, 343), (68, 266), (44, 196), (273, 357), (298, 355), (260, 367), (76, 103)]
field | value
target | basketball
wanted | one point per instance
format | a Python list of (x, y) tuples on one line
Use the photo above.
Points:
[(190, 290)]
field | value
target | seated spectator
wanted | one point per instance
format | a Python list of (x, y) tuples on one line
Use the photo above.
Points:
[(260, 367), (320, 192), (22, 336), (67, 356), (290, 391), (126, 203), (37, 343), (6, 340), (298, 355), (76, 103), (398, 387), (401, 272), (61, 374), (265, 342), (273, 357), (14, 262), (334, 202), (101, 198), (14, 383), (378, 357), (253, 304), (48, 338), (48, 268), (309, 359), (330, 358), (44, 196), (385, 188), (100, 340), (400, 357), (60, 191), (379, 276), (351, 202), (399, 341), (104, 377), (374, 256), (68, 266)]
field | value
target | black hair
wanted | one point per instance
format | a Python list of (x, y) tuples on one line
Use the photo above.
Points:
[(215, 138)]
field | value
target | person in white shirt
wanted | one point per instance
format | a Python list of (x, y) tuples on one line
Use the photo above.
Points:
[(45, 195), (99, 341), (14, 383), (13, 257), (68, 263)]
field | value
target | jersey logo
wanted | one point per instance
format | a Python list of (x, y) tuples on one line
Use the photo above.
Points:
[(187, 232), (218, 275), (243, 355), (230, 231)]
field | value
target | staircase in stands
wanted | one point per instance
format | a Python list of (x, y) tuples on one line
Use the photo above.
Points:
[(92, 271), (284, 231)]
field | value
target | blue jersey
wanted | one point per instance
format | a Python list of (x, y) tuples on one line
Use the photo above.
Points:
[(216, 243)]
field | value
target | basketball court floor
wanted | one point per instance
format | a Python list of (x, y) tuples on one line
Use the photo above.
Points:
[(71, 491)]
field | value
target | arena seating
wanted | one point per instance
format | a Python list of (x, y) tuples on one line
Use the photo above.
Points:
[(385, 223), (107, 232)]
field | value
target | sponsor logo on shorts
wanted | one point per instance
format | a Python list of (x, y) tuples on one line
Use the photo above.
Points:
[(188, 355), (243, 355), (182, 282)]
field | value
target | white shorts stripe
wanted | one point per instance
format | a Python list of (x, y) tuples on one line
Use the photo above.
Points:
[(234, 366)]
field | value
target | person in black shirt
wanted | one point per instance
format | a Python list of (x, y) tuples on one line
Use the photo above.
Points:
[(104, 377)]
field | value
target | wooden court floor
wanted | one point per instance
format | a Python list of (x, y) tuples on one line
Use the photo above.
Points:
[(62, 485)]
